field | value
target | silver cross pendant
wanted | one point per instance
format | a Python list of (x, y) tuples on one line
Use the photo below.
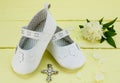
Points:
[(49, 72)]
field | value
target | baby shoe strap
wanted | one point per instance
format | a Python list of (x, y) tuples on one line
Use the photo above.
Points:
[(31, 34), (60, 35)]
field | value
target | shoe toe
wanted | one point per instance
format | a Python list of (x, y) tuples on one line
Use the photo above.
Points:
[(73, 62), (23, 65)]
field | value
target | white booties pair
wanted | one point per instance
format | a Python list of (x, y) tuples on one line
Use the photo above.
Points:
[(40, 32)]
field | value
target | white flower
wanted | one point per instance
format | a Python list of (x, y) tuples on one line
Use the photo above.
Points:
[(92, 31), (99, 77), (79, 75)]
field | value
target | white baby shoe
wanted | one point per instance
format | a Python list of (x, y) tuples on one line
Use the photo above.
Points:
[(34, 41), (65, 51)]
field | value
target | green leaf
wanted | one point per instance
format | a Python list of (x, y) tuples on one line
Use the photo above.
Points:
[(104, 28), (100, 21), (110, 33), (81, 26), (109, 23), (87, 20), (111, 41), (102, 40), (111, 28)]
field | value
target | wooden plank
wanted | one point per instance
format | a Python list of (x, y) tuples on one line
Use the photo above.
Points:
[(108, 67), (61, 10), (10, 33)]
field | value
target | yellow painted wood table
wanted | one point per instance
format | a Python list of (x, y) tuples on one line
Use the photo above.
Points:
[(69, 14)]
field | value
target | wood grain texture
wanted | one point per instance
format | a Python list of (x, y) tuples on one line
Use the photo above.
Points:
[(61, 9)]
